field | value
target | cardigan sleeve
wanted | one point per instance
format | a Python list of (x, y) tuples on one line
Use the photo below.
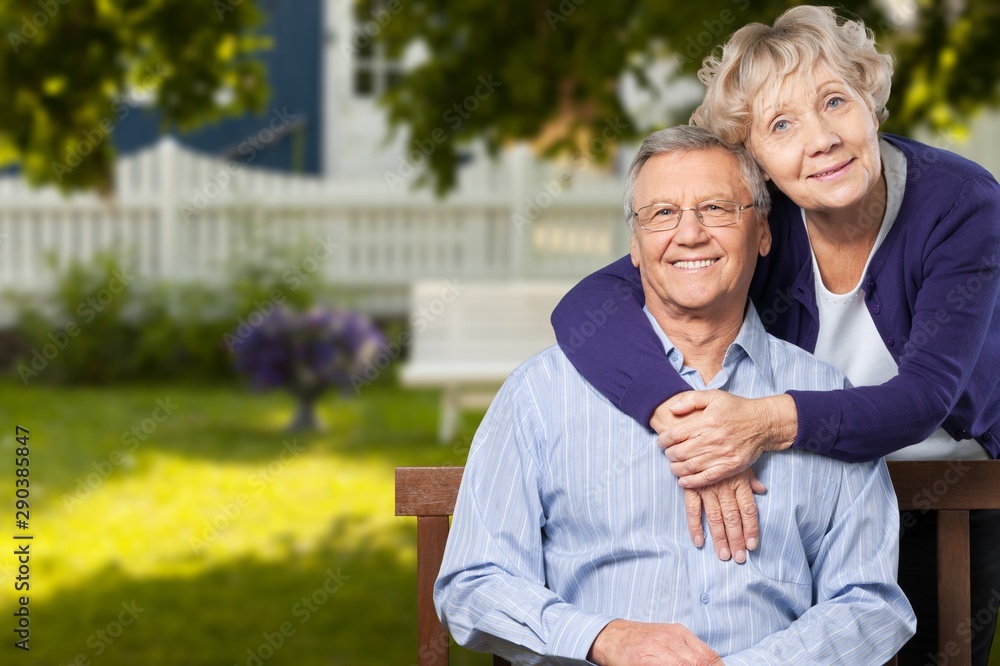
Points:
[(601, 328), (953, 337)]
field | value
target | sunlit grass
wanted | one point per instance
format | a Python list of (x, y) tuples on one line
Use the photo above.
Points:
[(219, 525), (213, 514)]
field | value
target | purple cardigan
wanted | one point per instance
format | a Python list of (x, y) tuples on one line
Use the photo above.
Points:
[(932, 289)]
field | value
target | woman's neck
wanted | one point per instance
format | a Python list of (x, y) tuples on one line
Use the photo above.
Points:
[(857, 226), (843, 240)]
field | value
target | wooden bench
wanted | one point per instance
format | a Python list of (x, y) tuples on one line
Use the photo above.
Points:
[(468, 336), (429, 493)]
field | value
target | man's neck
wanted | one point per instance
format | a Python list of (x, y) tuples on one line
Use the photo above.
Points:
[(702, 340)]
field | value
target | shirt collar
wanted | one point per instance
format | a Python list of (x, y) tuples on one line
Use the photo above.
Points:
[(752, 341)]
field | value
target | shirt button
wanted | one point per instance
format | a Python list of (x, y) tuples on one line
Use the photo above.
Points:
[(890, 341), (870, 285), (876, 308), (703, 598), (963, 434), (988, 436)]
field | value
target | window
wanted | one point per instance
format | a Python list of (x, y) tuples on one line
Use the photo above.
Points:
[(374, 72)]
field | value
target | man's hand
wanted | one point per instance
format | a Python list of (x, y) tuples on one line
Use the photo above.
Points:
[(711, 435), (626, 643), (731, 513)]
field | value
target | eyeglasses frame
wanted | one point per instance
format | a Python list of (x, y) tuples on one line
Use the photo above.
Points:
[(680, 214)]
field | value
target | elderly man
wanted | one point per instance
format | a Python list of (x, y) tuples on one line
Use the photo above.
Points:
[(570, 541)]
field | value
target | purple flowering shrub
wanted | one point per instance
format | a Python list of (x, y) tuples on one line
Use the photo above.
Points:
[(307, 352)]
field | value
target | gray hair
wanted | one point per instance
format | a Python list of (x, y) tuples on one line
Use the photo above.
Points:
[(688, 139)]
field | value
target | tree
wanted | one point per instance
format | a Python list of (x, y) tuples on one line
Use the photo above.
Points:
[(558, 64), (73, 69)]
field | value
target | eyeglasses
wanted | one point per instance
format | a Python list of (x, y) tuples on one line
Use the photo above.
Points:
[(665, 216)]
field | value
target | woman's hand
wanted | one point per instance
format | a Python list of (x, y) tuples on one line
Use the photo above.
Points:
[(731, 512), (711, 435)]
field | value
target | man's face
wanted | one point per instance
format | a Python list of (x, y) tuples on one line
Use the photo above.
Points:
[(694, 270)]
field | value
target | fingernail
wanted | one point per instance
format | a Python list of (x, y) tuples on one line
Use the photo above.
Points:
[(741, 556), (724, 555), (699, 541), (751, 543)]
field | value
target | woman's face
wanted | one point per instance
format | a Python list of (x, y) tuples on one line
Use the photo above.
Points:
[(817, 139)]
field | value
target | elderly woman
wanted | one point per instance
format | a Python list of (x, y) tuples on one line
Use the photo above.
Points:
[(885, 262)]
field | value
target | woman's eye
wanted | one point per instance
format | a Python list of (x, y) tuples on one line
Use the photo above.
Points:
[(780, 126), (835, 102)]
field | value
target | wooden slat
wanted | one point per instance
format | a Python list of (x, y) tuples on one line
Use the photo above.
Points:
[(432, 535), (954, 597), (951, 488), (427, 491), (952, 484)]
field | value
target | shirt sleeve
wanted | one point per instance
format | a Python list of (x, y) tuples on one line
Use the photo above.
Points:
[(955, 319), (860, 615), (602, 329), (490, 592)]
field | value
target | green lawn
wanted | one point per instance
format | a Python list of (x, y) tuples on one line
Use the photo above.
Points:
[(220, 534)]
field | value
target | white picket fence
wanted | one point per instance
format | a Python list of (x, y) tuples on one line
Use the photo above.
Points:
[(180, 216)]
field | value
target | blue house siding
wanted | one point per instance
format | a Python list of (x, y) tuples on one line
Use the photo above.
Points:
[(294, 66)]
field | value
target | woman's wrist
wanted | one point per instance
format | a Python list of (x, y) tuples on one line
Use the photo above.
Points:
[(782, 419)]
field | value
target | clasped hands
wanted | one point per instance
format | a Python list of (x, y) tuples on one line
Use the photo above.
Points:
[(711, 439)]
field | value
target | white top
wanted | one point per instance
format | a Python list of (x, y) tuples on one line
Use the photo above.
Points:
[(849, 340)]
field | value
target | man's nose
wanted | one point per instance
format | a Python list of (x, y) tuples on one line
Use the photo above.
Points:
[(690, 231)]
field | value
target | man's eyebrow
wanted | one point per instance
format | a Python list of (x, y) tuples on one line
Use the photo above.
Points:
[(717, 195)]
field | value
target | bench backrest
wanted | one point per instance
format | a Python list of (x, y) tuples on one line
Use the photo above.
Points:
[(951, 488), (478, 328), (429, 493)]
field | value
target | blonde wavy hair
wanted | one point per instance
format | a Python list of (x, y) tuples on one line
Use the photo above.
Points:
[(759, 56)]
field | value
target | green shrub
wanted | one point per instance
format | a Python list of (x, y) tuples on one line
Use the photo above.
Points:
[(101, 324)]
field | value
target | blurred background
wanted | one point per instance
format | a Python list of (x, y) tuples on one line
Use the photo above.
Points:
[(256, 254)]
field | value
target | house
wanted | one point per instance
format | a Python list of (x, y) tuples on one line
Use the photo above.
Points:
[(317, 168)]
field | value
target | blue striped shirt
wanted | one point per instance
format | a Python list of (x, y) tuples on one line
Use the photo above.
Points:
[(568, 517)]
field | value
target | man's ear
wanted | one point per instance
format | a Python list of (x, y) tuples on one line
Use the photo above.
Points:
[(765, 235), (634, 250)]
